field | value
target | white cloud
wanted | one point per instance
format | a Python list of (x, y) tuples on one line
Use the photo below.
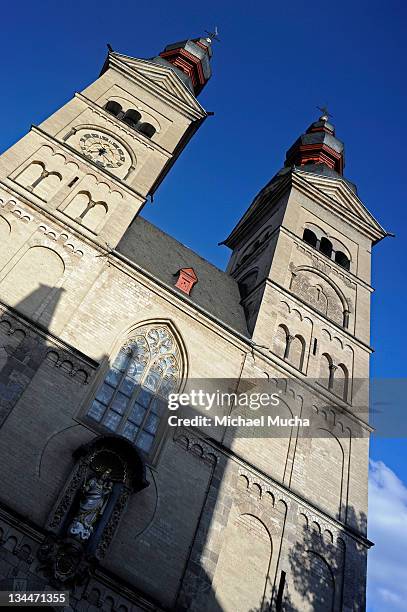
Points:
[(387, 524)]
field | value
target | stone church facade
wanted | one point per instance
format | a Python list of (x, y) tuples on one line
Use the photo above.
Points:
[(102, 315)]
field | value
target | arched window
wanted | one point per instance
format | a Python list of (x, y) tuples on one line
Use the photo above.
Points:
[(309, 237), (296, 352), (131, 399), (325, 246), (341, 381), (147, 129), (32, 174), (93, 215), (325, 371), (342, 260), (47, 185), (131, 117), (280, 344), (113, 108)]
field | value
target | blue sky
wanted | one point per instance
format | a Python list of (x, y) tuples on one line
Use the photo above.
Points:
[(275, 63)]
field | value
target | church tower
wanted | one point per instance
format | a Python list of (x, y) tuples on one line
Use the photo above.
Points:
[(302, 257), (90, 166), (103, 315)]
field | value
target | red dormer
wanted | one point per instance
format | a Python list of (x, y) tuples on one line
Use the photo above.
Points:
[(186, 280)]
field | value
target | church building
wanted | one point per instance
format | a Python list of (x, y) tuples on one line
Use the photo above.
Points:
[(103, 316)]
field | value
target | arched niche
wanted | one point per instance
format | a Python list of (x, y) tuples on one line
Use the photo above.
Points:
[(325, 370), (84, 210), (82, 524), (94, 216), (297, 352), (323, 482), (242, 572), (29, 283), (340, 382), (280, 341), (48, 186), (5, 231), (78, 205), (321, 293), (318, 584), (31, 173)]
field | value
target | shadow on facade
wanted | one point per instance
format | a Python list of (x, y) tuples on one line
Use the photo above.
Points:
[(317, 572), (25, 345), (316, 562)]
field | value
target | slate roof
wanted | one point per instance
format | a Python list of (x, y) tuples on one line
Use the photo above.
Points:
[(163, 256)]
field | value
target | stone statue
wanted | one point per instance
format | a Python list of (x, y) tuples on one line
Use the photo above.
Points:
[(95, 495)]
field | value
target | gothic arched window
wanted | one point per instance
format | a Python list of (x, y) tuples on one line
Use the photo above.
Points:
[(131, 400)]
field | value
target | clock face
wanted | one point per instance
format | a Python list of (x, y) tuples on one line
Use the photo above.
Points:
[(102, 150)]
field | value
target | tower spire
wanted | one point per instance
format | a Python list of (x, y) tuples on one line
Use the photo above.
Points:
[(318, 145), (191, 60)]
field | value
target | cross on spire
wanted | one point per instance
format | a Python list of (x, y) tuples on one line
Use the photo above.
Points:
[(213, 35), (325, 112)]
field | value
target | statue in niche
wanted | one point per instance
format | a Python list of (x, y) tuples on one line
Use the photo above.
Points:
[(95, 495)]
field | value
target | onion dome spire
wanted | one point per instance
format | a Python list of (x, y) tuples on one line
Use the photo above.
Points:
[(318, 145), (190, 59)]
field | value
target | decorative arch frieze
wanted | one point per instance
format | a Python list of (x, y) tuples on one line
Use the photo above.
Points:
[(196, 445), (264, 487), (328, 532), (11, 208)]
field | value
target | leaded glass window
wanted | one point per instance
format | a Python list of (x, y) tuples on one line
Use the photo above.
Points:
[(132, 398)]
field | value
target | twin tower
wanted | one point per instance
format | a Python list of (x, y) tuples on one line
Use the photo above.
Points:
[(103, 315)]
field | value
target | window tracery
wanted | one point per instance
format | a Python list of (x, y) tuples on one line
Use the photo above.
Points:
[(131, 399)]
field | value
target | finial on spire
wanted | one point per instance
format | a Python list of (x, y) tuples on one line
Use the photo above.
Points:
[(212, 35), (325, 113)]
